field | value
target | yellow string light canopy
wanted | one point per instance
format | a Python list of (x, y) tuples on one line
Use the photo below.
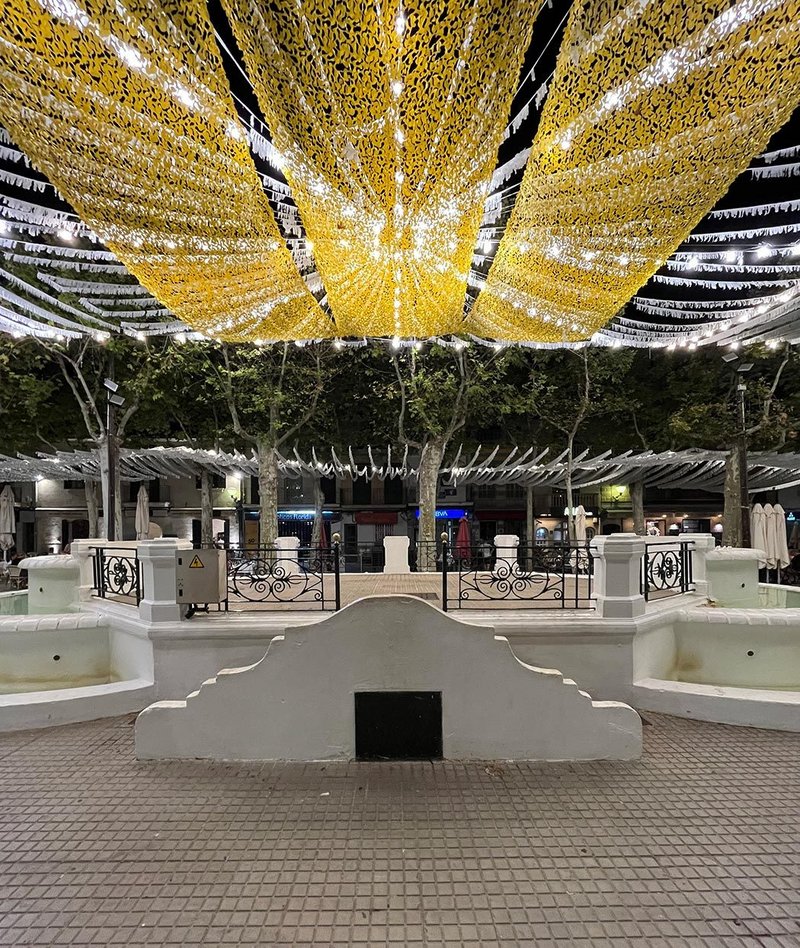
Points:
[(127, 111), (388, 117), (653, 110)]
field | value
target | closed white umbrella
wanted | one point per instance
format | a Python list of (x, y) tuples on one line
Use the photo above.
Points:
[(7, 521), (142, 520), (772, 537), (758, 532), (781, 544), (580, 524)]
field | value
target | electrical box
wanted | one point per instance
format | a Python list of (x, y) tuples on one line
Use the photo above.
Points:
[(202, 576)]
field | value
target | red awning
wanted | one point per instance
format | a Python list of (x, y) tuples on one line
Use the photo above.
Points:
[(376, 516)]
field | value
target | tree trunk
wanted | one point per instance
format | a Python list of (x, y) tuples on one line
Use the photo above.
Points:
[(429, 466), (267, 491), (117, 498), (102, 455), (206, 511), (637, 503), (319, 502), (570, 505), (90, 489), (732, 510), (530, 518)]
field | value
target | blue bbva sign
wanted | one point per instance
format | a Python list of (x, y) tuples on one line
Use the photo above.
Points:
[(448, 513)]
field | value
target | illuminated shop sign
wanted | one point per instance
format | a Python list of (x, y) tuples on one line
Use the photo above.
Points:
[(302, 514), (448, 513)]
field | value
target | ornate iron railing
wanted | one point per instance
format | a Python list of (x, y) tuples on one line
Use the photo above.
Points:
[(363, 558), (117, 573), (667, 568), (557, 576), (308, 578)]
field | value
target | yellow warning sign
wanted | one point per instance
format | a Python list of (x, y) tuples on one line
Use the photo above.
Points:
[(197, 563)]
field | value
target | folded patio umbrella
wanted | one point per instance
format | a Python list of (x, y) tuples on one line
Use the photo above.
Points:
[(758, 532), (463, 541), (770, 547), (781, 545), (580, 524), (7, 521), (142, 520)]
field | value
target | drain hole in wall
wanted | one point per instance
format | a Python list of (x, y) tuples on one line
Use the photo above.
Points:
[(751, 653), (56, 658)]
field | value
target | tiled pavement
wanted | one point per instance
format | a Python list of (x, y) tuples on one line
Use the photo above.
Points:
[(696, 844)]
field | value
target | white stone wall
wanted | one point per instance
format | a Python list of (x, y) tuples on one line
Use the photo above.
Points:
[(297, 703)]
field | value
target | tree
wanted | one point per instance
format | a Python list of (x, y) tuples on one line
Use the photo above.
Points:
[(272, 395), (31, 414), (567, 389), (710, 418), (84, 365), (184, 404), (435, 392)]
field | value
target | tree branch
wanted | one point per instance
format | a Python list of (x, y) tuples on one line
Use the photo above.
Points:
[(309, 412), (230, 398), (86, 402)]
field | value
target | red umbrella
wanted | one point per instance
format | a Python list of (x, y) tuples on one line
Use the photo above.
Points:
[(463, 541)]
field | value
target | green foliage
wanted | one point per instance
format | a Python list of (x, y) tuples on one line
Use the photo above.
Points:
[(317, 395), (30, 413)]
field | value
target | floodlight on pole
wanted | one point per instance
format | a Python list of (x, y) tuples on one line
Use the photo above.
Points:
[(111, 385)]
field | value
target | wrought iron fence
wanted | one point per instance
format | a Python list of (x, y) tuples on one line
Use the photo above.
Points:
[(555, 576), (306, 578), (667, 568), (116, 573), (363, 558)]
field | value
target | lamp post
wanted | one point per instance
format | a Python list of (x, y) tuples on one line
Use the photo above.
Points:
[(741, 369), (114, 401)]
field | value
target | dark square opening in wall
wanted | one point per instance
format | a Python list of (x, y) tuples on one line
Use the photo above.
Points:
[(398, 725)]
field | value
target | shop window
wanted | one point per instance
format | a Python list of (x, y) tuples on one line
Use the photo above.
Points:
[(328, 485), (154, 490), (362, 492), (393, 491), (217, 482)]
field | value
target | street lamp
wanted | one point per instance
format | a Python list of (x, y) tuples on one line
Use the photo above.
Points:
[(741, 371), (115, 400)]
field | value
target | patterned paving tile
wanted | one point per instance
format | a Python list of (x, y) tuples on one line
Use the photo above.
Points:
[(697, 844)]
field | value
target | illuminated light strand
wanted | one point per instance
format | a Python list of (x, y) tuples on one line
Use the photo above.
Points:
[(664, 112), (120, 96), (342, 107)]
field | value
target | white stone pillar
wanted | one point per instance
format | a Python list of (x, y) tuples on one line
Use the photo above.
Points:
[(158, 579), (704, 544), (395, 552), (82, 551), (617, 575), (287, 548), (505, 545)]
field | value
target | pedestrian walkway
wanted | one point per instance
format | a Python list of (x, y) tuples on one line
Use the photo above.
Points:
[(697, 844)]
